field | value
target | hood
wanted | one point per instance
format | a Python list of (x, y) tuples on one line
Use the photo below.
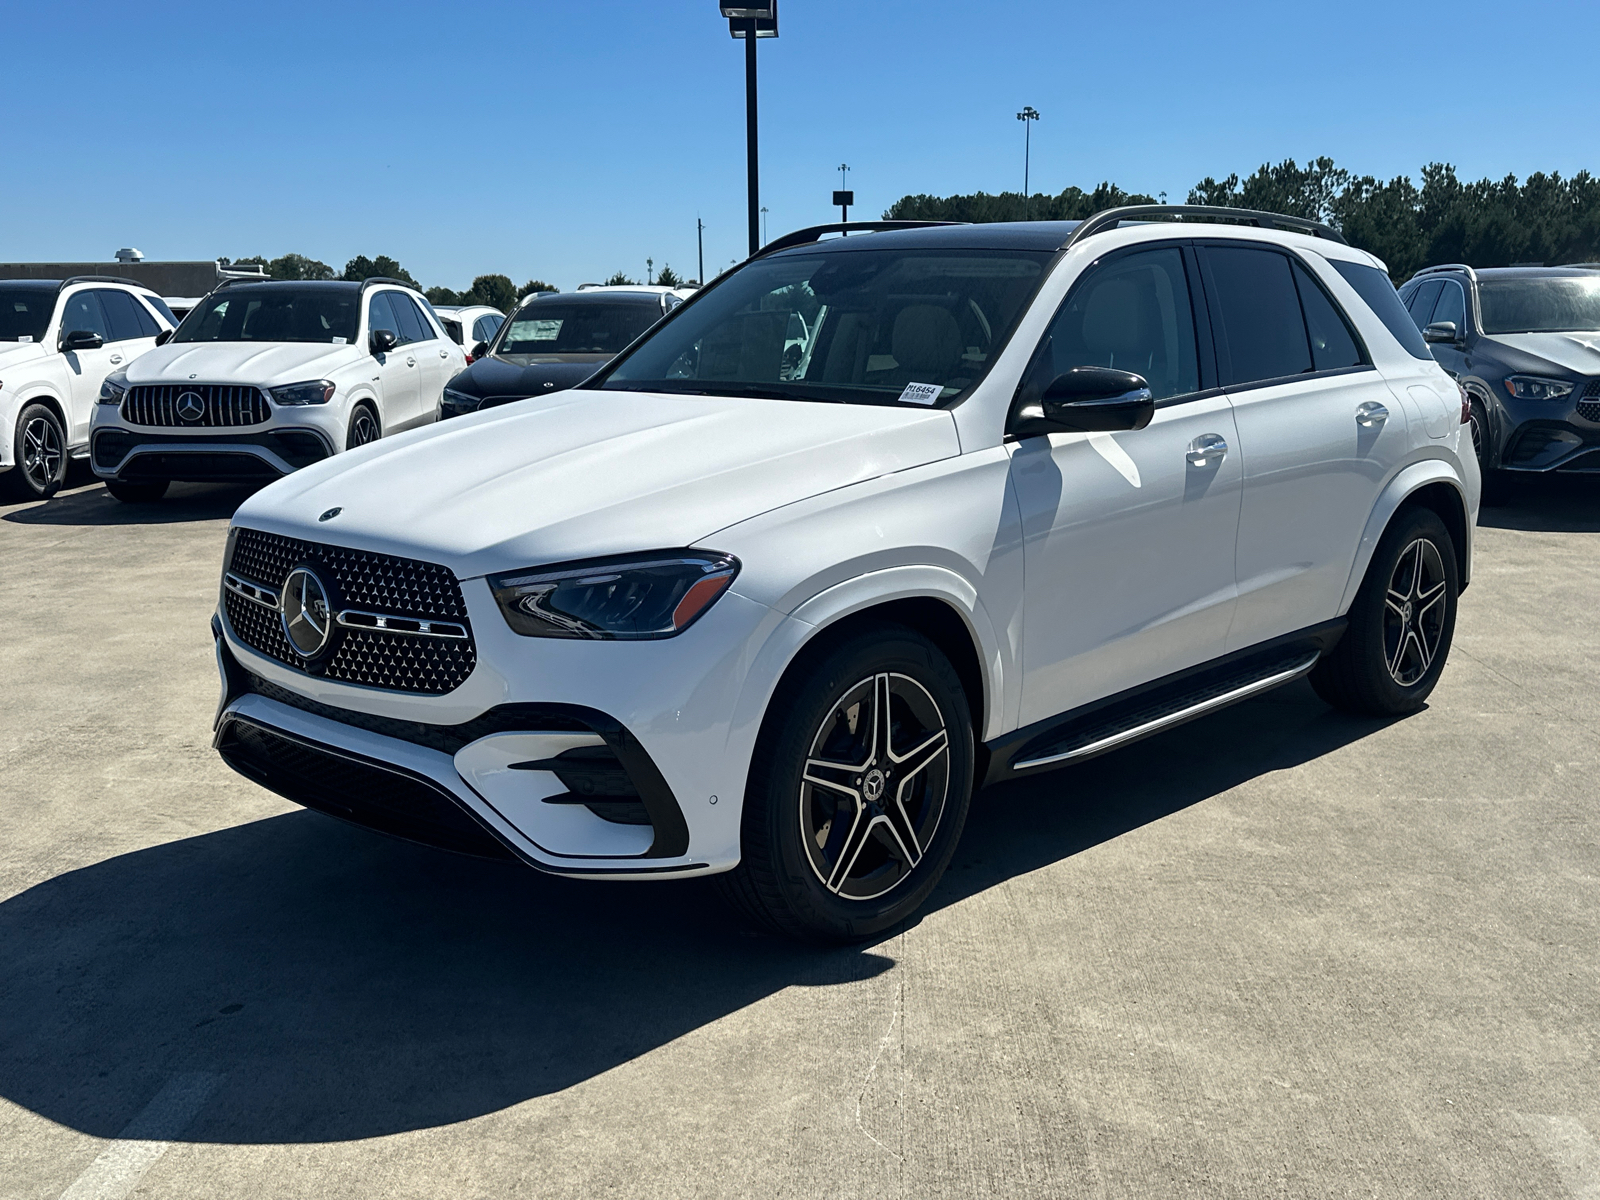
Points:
[(527, 374), (14, 354), (1575, 352), (587, 473), (268, 364)]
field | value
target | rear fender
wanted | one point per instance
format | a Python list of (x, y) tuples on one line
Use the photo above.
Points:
[(1401, 488)]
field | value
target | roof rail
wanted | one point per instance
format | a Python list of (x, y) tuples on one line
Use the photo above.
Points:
[(812, 233), (1470, 273), (99, 279), (373, 280), (1112, 217)]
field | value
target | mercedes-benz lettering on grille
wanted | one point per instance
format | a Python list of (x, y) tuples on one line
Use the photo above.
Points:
[(195, 404), (352, 615)]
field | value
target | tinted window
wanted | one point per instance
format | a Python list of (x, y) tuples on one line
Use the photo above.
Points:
[(1422, 302), (1332, 344), (412, 327), (1554, 303), (591, 328), (160, 305), (83, 314), (1373, 286), (1452, 306), (453, 328), (24, 312), (1133, 314), (381, 316), (273, 313), (1260, 332), (485, 327), (126, 316)]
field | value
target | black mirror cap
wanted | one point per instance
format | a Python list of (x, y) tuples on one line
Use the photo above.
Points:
[(1088, 400), (382, 340), (1440, 331), (82, 339), (164, 336), (481, 349)]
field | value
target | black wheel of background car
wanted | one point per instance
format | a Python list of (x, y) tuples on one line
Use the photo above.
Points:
[(142, 492), (1401, 623), (1494, 481), (40, 455), (363, 427), (858, 789)]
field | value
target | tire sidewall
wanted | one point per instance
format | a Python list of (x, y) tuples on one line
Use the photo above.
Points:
[(21, 483), (355, 415), (774, 794), (1368, 626)]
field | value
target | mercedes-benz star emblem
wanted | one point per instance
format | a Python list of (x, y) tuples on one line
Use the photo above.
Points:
[(191, 406), (307, 621), (872, 786), (331, 513)]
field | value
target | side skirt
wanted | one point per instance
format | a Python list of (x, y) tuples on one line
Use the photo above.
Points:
[(1104, 725)]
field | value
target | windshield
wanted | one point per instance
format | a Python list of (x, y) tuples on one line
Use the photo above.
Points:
[(860, 326), (557, 327), (1535, 305), (274, 314), (24, 312)]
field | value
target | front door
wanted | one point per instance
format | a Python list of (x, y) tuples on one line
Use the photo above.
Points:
[(397, 368), (86, 369), (1129, 537), (423, 344)]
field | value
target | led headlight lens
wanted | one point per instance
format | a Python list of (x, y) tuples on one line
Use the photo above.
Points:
[(460, 402), (318, 391), (114, 388), (638, 596), (1531, 387)]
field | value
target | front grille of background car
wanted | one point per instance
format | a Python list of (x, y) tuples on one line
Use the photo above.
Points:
[(225, 404), (360, 579), (1589, 402)]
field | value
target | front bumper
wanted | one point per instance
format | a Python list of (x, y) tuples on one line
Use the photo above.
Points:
[(121, 453), (1545, 446)]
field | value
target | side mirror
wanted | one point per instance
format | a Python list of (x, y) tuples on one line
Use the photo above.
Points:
[(82, 339), (1440, 331), (480, 350), (164, 336), (1088, 400), (382, 340)]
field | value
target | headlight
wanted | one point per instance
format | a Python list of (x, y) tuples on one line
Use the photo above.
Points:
[(656, 595), (318, 391), (461, 401), (1532, 387), (114, 388)]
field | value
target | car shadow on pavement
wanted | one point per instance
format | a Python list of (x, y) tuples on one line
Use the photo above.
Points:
[(1546, 503), (93, 505), (342, 985)]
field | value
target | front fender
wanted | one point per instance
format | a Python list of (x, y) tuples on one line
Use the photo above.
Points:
[(1407, 482)]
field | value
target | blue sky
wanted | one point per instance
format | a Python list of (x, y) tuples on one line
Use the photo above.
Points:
[(569, 140)]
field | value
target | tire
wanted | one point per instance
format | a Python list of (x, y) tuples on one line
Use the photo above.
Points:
[(142, 492), (798, 874), (364, 427), (1496, 483), (39, 447), (1401, 623)]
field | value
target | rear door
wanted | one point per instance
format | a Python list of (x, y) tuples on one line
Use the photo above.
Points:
[(1319, 430), (432, 351), (397, 369)]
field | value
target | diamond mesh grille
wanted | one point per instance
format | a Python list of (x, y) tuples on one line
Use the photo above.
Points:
[(1589, 403)]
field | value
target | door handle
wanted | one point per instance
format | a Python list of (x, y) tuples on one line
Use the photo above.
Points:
[(410, 362), (444, 354), (1207, 450), (1371, 414), (115, 359)]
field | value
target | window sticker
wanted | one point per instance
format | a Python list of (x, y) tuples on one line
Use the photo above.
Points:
[(339, 341), (26, 337), (920, 393), (543, 331)]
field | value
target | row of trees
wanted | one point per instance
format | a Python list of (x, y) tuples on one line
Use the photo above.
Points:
[(1545, 219)]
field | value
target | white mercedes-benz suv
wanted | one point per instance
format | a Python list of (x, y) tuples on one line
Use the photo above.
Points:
[(261, 379), (869, 522)]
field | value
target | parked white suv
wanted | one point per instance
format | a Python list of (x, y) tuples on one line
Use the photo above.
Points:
[(469, 324), (58, 341), (867, 523), (261, 379)]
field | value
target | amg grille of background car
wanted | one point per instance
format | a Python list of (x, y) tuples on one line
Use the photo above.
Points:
[(1589, 404), (226, 404), (368, 582)]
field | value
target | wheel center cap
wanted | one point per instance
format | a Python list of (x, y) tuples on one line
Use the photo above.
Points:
[(872, 785), (1405, 612)]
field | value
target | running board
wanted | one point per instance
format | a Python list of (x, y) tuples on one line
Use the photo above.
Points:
[(1110, 728)]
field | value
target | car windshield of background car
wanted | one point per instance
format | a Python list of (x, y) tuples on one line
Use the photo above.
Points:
[(24, 313), (858, 327), (1550, 305), (273, 315), (559, 328)]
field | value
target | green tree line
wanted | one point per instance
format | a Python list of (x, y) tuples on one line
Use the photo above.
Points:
[(1488, 223), (497, 291)]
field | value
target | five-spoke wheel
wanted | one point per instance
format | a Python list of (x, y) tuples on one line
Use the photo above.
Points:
[(1414, 610), (40, 449), (363, 427)]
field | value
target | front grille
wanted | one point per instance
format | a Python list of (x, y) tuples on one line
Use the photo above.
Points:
[(1589, 402), (224, 404), (378, 583)]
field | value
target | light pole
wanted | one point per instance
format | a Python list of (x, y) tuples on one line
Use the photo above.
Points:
[(700, 250), (763, 224), (751, 19), (1027, 116), (649, 270), (844, 198)]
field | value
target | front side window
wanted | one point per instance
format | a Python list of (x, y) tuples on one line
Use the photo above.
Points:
[(916, 326), (273, 313), (1452, 307), (413, 327), (381, 316), (25, 313), (83, 314), (485, 327), (126, 317), (1420, 306), (560, 327), (1553, 304), (1133, 314)]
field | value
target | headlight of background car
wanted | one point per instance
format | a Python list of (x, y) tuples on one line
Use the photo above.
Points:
[(318, 391), (114, 388), (461, 402), (656, 595), (1531, 387)]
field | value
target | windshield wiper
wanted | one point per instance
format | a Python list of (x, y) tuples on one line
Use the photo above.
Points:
[(702, 387)]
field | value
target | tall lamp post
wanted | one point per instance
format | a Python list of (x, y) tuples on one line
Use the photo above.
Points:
[(844, 198), (1027, 116), (751, 19)]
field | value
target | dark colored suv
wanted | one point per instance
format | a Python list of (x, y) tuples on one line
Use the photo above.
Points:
[(1525, 343)]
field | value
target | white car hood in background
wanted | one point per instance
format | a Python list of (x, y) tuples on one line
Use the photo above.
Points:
[(586, 473), (267, 364), (1577, 352)]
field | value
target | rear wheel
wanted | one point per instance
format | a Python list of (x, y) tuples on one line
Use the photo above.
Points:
[(142, 492), (364, 427), (39, 449)]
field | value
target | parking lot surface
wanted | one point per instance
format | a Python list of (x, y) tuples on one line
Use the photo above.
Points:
[(1277, 952)]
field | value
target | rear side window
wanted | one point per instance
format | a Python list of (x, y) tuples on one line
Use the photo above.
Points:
[(1333, 345), (126, 316), (83, 314), (485, 327), (1373, 286), (160, 305), (1422, 302), (1260, 331)]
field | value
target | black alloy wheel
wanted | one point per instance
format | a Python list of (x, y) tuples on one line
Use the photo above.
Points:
[(39, 449), (858, 791), (363, 427)]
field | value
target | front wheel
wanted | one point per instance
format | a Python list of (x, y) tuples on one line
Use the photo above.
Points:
[(364, 427), (1401, 623), (39, 447), (858, 790)]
